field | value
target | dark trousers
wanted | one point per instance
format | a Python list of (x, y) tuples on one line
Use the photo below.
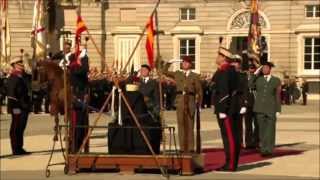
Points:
[(251, 130), (231, 141), (18, 125), (79, 117), (304, 98)]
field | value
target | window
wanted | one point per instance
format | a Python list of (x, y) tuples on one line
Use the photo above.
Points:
[(313, 11), (187, 14), (123, 49), (188, 48), (312, 53), (128, 15)]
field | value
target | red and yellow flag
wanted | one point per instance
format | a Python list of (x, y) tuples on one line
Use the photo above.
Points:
[(81, 27), (254, 36), (149, 41)]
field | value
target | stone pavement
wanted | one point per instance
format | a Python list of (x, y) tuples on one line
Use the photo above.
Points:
[(297, 129)]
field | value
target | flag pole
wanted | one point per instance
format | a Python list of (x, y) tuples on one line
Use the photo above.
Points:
[(139, 40)]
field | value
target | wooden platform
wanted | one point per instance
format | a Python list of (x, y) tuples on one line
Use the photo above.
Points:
[(127, 164)]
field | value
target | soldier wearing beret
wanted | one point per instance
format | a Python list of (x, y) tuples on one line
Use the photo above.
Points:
[(189, 95)]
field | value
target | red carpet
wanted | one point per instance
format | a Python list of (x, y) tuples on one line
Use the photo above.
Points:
[(214, 158)]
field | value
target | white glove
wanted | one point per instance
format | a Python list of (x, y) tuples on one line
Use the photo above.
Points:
[(278, 114), (258, 70), (16, 111), (222, 115), (243, 110), (175, 61)]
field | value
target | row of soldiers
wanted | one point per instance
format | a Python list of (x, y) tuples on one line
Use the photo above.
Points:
[(253, 96), (235, 94)]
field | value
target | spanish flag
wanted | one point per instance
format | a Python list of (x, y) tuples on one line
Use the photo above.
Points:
[(81, 27), (149, 41), (254, 36)]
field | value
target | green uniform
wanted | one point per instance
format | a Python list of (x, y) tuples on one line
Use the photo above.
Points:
[(266, 105), (189, 92)]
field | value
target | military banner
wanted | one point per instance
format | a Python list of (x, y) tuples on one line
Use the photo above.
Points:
[(5, 34)]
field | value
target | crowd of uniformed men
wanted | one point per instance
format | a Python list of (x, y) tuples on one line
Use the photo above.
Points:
[(253, 96)]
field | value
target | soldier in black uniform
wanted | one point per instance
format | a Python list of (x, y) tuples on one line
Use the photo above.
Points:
[(242, 94), (79, 86), (18, 104), (226, 82), (252, 130), (149, 88)]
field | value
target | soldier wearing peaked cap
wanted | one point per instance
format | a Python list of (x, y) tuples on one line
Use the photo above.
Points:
[(226, 102), (189, 95), (18, 105), (267, 107)]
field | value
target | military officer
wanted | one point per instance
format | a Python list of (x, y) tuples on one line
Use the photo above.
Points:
[(241, 93), (226, 103), (252, 129), (189, 95), (267, 107), (79, 85), (18, 104), (149, 88)]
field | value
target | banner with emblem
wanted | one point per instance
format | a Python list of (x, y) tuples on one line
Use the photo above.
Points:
[(5, 34), (38, 34), (254, 36)]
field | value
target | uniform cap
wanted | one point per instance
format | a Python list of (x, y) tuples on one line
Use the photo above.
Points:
[(270, 64), (187, 59), (16, 60), (236, 58), (225, 52)]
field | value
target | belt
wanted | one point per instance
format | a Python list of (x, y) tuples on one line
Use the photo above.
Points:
[(186, 93)]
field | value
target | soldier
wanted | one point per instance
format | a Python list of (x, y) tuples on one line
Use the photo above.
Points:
[(305, 91), (189, 95), (18, 104), (226, 103), (79, 86), (149, 88), (252, 130), (241, 93), (267, 107)]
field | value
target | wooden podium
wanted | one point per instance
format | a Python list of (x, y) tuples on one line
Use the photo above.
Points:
[(127, 164)]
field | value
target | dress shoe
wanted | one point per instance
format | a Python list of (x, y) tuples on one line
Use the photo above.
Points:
[(266, 154), (225, 168)]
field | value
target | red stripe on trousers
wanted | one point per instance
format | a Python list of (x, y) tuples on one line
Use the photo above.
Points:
[(231, 142)]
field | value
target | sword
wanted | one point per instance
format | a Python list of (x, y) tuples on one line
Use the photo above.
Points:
[(198, 127)]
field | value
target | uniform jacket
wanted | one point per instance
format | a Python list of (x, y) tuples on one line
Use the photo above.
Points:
[(79, 77), (267, 97), (189, 84), (225, 94), (150, 91), (17, 91)]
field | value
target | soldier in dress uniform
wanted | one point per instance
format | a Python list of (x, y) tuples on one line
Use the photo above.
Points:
[(189, 95), (267, 107), (79, 86), (149, 88), (252, 129), (241, 93), (226, 103), (18, 104)]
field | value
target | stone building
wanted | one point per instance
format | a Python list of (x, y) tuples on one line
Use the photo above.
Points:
[(187, 27)]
